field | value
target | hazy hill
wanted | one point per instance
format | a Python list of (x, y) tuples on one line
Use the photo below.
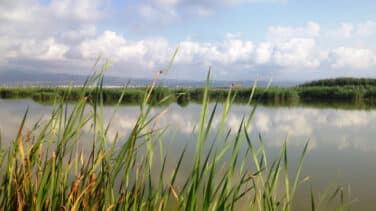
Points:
[(18, 78)]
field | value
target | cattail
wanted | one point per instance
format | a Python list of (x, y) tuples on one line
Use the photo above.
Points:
[(108, 209), (93, 178), (40, 150), (160, 205), (28, 136), (46, 204), (20, 145), (174, 193), (19, 201), (75, 186)]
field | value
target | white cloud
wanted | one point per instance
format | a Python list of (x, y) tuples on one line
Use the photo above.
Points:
[(283, 33), (167, 3), (26, 11), (296, 53), (86, 31), (349, 119), (354, 30), (367, 28), (45, 50), (150, 54), (323, 127), (262, 122), (203, 11), (144, 54), (357, 58), (46, 36), (295, 122), (345, 30), (77, 9), (36, 35), (232, 54), (299, 53), (48, 49), (264, 53), (157, 14), (233, 122), (291, 47), (172, 10), (229, 52), (19, 10)]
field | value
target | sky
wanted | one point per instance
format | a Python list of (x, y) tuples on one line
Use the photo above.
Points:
[(287, 40)]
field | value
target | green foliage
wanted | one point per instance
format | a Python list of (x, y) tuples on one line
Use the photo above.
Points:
[(342, 82), (51, 167), (358, 92), (183, 99)]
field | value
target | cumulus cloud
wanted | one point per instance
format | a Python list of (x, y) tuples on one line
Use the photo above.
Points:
[(367, 28), (47, 49), (139, 57), (345, 30), (292, 47), (38, 35), (281, 33), (351, 30), (170, 10), (264, 53), (86, 31), (77, 9), (64, 36), (153, 13), (298, 53), (16, 11), (228, 52), (357, 58), (145, 54), (29, 11)]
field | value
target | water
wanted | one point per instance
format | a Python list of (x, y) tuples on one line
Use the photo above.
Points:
[(342, 146)]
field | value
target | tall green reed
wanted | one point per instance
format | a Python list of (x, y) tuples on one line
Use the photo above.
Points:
[(51, 166)]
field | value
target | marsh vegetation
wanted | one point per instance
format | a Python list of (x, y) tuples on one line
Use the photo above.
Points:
[(47, 166), (349, 92)]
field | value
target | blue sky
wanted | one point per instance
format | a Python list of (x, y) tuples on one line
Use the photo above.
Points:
[(239, 39)]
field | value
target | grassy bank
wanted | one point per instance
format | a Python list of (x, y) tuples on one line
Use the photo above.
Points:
[(45, 168), (135, 95), (359, 96), (342, 82)]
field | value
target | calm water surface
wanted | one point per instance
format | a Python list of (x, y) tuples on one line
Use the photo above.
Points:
[(342, 142)]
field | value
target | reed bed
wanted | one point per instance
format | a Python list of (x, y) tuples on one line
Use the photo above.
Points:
[(305, 94), (46, 167)]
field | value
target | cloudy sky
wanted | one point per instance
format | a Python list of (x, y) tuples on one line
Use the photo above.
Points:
[(239, 39)]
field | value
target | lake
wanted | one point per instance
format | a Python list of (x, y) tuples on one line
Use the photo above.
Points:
[(342, 148)]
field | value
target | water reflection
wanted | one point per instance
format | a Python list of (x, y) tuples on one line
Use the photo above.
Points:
[(341, 141), (339, 129)]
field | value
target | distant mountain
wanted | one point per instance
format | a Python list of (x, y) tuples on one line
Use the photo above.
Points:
[(18, 78)]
